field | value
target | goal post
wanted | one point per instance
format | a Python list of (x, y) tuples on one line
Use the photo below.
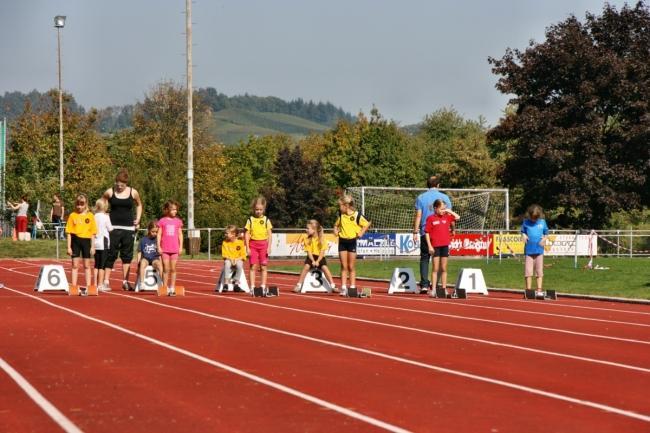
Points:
[(393, 208)]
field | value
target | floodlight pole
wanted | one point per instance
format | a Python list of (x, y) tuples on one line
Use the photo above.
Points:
[(59, 22), (190, 129)]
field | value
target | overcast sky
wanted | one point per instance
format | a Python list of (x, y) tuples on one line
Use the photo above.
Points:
[(407, 57)]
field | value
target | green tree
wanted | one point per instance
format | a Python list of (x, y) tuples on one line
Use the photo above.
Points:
[(372, 152), (578, 140), (33, 153), (251, 167), (299, 193), (455, 149)]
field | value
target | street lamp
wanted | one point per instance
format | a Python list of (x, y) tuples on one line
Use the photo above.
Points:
[(59, 23)]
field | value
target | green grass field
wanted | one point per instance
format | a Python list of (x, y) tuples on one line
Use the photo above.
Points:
[(626, 278)]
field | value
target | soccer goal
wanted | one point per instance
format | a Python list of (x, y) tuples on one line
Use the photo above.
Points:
[(393, 208)]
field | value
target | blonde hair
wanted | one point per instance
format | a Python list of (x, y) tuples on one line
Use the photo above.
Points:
[(347, 200), (258, 200), (318, 228), (101, 205), (85, 199)]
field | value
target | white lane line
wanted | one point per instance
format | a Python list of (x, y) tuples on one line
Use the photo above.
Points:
[(552, 395), (440, 334), (47, 407), (207, 265), (562, 304), (452, 316), (275, 385), (453, 336), (564, 316), (476, 319)]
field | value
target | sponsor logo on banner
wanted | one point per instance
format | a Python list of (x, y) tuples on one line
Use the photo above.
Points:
[(556, 245), (407, 245), (375, 244), (470, 245), (291, 245), (507, 244)]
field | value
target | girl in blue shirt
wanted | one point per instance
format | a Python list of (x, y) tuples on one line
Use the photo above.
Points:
[(534, 232)]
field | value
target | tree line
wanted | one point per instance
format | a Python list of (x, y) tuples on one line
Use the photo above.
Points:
[(575, 138)]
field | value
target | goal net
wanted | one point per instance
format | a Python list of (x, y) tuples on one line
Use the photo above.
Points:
[(393, 208)]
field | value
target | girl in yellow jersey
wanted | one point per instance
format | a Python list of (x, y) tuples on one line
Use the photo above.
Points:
[(258, 236), (233, 252), (349, 226), (81, 228), (315, 247)]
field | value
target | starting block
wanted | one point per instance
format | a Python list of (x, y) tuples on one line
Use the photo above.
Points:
[(441, 293), (241, 283), (270, 292), (51, 278), (353, 292), (77, 291), (178, 290), (547, 294), (152, 281)]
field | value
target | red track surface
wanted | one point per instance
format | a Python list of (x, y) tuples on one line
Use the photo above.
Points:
[(138, 363)]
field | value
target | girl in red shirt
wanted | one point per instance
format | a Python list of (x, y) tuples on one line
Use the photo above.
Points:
[(438, 229)]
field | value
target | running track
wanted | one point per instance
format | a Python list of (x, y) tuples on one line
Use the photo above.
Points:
[(125, 362)]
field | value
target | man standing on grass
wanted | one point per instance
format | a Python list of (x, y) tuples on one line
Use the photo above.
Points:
[(424, 208)]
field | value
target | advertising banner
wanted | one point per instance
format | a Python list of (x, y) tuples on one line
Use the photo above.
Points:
[(291, 245), (407, 245), (376, 244), (470, 245), (556, 245)]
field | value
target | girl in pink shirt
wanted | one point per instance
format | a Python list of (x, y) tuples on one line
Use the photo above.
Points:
[(170, 239)]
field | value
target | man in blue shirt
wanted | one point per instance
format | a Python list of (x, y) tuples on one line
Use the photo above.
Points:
[(424, 208)]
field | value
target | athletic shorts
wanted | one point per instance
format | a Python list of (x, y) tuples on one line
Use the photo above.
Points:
[(121, 245), (150, 260), (323, 262), (169, 256), (100, 259), (349, 245), (259, 251), (441, 251), (534, 262), (80, 246)]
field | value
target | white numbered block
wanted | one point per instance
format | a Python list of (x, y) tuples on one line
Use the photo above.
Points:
[(152, 281), (472, 281), (241, 282), (403, 281), (51, 278), (315, 282)]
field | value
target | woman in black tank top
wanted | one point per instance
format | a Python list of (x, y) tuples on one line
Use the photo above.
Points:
[(122, 238), (122, 210)]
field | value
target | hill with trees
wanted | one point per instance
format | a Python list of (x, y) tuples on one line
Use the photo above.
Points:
[(235, 117)]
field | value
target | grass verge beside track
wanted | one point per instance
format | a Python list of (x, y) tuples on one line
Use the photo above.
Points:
[(625, 278)]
